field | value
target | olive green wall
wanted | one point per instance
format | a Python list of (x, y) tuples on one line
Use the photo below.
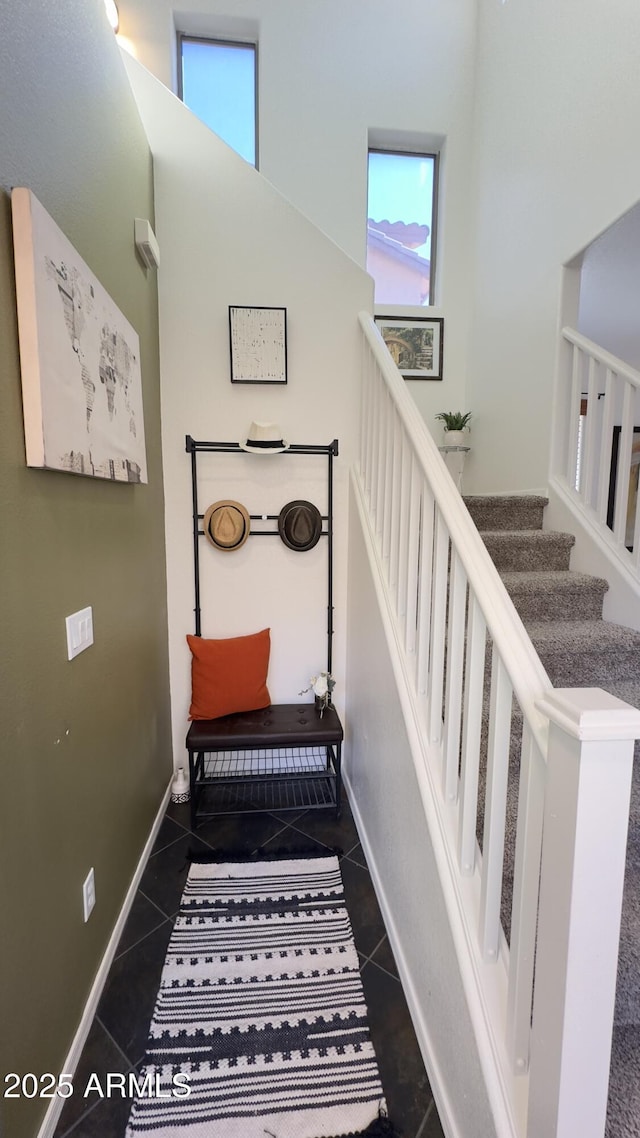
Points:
[(84, 745)]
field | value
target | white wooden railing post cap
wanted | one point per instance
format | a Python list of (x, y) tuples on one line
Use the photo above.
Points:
[(590, 714)]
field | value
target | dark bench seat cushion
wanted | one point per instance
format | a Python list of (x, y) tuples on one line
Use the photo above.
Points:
[(279, 725)]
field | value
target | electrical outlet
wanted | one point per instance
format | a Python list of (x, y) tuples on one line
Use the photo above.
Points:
[(89, 894)]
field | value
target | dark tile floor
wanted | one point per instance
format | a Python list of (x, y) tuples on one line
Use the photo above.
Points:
[(116, 1042)]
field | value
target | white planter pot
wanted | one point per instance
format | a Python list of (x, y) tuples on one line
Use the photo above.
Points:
[(456, 438)]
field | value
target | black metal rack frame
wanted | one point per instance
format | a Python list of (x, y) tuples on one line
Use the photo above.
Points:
[(240, 773), (194, 448)]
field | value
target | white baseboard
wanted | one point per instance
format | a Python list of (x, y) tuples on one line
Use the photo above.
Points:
[(436, 1079), (56, 1104)]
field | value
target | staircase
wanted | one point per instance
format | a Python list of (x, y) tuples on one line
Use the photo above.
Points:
[(562, 612)]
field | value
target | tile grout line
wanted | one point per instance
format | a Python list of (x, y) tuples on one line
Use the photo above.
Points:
[(428, 1113), (278, 833), (166, 920), (383, 937), (391, 975), (380, 967), (367, 959), (130, 1064), (346, 854), (156, 906), (130, 1067), (85, 1114), (167, 846), (326, 845), (197, 837), (187, 829), (350, 851), (310, 838)]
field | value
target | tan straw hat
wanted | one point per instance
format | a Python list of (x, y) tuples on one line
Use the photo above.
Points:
[(227, 525)]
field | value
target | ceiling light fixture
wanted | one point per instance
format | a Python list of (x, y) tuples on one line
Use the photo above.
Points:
[(112, 14)]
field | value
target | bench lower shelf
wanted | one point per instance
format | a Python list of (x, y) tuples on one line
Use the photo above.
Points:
[(281, 758), (239, 797)]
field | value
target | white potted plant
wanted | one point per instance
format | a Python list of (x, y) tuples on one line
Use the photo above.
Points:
[(456, 423)]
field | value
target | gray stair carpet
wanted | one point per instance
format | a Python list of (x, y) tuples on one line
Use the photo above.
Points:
[(562, 612), (518, 550), (548, 595)]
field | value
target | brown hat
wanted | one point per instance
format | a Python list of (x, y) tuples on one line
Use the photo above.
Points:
[(300, 525), (227, 525)]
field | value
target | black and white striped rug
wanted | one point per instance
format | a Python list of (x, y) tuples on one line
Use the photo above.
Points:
[(260, 1026)]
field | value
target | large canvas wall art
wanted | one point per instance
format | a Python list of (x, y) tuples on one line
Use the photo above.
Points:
[(79, 358)]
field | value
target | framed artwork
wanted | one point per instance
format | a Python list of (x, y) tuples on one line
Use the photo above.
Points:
[(79, 357), (634, 470), (258, 341), (416, 345)]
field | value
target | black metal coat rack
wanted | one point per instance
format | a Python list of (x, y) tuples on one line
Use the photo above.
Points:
[(194, 448)]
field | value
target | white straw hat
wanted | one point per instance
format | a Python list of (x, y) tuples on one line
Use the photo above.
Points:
[(264, 438)]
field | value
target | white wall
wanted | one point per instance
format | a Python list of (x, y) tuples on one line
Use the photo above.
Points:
[(330, 71), (391, 820), (610, 289), (557, 112), (228, 237)]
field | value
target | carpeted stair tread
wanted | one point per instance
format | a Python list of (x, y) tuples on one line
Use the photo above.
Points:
[(558, 594), (511, 511), (514, 551), (629, 691), (623, 1112), (627, 1009), (586, 653)]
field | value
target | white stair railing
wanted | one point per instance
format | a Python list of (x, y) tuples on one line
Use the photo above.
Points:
[(483, 702), (596, 450)]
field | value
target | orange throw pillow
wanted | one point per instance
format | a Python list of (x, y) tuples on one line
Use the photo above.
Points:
[(229, 675)]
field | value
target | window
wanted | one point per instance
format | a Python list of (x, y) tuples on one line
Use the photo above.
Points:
[(401, 217), (218, 83)]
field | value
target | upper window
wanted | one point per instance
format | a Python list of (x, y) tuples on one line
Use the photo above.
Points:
[(218, 83), (401, 219)]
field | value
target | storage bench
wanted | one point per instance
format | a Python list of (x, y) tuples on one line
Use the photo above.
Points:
[(284, 757)]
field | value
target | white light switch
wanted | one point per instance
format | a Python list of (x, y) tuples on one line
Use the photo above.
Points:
[(79, 632)]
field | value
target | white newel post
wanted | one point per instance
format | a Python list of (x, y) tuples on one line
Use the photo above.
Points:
[(590, 757)]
